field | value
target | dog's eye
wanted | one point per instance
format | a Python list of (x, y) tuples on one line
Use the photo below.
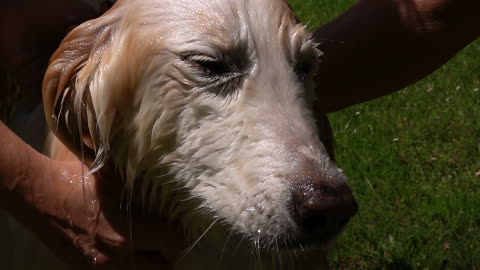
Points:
[(208, 65), (218, 75)]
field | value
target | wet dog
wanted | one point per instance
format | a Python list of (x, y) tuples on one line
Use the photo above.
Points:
[(208, 104)]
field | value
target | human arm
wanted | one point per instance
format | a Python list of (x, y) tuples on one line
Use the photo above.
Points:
[(31, 31), (378, 47), (47, 196)]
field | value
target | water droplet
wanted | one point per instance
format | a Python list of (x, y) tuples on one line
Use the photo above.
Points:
[(69, 220), (94, 256)]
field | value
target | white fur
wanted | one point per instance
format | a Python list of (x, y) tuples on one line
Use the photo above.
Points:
[(226, 159)]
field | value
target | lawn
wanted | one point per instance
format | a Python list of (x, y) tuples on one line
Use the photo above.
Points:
[(413, 161)]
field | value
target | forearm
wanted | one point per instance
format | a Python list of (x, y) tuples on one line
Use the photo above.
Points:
[(380, 46), (47, 197), (15, 159), (17, 163), (26, 176)]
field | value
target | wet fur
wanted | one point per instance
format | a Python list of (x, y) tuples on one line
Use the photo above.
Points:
[(211, 153)]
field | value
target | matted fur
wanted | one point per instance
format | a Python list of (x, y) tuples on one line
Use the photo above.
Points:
[(217, 152)]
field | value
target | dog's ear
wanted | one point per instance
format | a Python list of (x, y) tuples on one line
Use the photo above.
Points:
[(295, 17), (71, 76)]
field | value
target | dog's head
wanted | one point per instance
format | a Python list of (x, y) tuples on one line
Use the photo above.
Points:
[(208, 103)]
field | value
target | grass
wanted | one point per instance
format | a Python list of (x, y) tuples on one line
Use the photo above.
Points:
[(413, 161)]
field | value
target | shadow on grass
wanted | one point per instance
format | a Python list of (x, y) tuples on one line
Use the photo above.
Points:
[(397, 264), (402, 264)]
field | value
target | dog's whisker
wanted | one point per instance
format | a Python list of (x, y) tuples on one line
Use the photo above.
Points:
[(279, 257), (240, 242), (285, 243), (257, 250), (122, 198), (198, 240), (130, 220), (129, 204), (225, 245), (272, 261)]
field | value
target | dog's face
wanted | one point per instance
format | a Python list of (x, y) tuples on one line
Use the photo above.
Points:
[(208, 103)]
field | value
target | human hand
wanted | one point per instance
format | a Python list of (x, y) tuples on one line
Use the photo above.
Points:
[(53, 200), (88, 215)]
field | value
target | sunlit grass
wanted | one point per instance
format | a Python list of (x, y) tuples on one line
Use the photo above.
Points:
[(413, 160)]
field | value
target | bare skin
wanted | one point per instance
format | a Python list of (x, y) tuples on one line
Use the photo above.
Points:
[(375, 48), (381, 46), (47, 196), (33, 30)]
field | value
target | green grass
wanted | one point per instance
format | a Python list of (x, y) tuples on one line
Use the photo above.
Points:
[(413, 161)]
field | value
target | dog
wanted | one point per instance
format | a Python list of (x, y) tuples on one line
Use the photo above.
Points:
[(208, 104)]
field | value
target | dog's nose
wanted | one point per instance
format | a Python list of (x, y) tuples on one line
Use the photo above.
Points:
[(323, 209)]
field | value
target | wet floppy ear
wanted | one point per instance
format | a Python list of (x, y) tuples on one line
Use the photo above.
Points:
[(295, 17), (72, 74)]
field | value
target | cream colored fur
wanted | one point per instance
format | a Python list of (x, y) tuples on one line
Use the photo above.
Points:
[(216, 153)]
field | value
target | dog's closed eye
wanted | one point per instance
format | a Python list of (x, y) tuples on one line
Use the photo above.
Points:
[(219, 75), (209, 66)]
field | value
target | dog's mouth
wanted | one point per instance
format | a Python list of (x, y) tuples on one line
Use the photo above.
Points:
[(320, 237)]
